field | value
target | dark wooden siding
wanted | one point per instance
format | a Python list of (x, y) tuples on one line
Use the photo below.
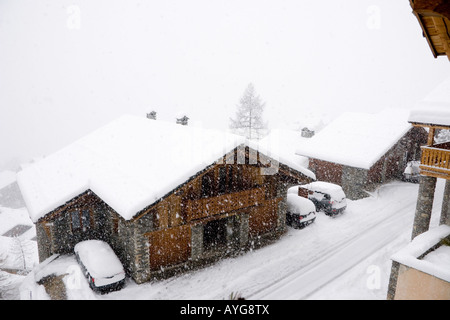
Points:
[(263, 218), (169, 246), (326, 171)]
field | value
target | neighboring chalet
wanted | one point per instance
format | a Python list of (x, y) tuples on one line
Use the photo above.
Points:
[(421, 270), (285, 142), (434, 19), (359, 151), (165, 196)]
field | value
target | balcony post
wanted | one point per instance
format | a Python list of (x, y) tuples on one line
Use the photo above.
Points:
[(445, 212), (431, 136), (424, 205)]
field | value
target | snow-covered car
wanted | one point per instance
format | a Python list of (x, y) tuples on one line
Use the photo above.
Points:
[(301, 211), (100, 265), (327, 197)]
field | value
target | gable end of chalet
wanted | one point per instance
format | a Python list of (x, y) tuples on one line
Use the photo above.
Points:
[(225, 205)]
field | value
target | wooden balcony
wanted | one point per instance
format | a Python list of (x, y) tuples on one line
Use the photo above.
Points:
[(435, 161), (206, 207)]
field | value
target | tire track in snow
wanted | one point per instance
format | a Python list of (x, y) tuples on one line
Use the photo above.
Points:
[(337, 259)]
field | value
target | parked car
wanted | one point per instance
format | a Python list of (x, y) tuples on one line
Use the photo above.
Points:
[(100, 265), (301, 211), (327, 197)]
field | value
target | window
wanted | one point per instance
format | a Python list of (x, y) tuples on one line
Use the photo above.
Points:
[(230, 179), (76, 223), (85, 219), (207, 187), (222, 180), (239, 183), (80, 221), (215, 234)]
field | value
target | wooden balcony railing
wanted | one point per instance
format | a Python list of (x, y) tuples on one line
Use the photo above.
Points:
[(197, 209), (435, 161)]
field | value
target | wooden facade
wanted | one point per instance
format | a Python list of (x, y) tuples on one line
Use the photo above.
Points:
[(435, 159), (221, 210), (434, 19)]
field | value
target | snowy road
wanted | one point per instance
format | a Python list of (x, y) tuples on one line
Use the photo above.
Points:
[(343, 255)]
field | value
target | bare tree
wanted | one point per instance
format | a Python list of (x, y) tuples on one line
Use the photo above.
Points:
[(249, 121)]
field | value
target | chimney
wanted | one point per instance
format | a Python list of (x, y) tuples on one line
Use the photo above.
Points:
[(151, 115), (307, 133), (183, 121)]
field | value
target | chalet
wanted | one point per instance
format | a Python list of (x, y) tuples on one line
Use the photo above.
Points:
[(358, 151), (164, 196), (421, 269)]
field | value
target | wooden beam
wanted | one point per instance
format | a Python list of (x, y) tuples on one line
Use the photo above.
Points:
[(428, 125), (434, 173), (431, 136), (441, 27), (426, 34), (441, 7), (434, 19)]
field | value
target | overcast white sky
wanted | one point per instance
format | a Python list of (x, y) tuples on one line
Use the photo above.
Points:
[(68, 67)]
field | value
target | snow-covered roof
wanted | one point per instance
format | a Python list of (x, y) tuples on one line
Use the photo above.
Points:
[(130, 163), (432, 116), (357, 139), (434, 108), (285, 142)]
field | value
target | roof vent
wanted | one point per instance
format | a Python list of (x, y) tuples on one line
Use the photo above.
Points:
[(183, 120), (151, 115)]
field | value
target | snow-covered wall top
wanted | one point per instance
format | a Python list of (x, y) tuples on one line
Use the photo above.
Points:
[(129, 163), (435, 108), (409, 256), (357, 139), (431, 116)]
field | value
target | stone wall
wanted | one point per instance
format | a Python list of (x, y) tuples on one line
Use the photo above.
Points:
[(354, 182), (43, 240), (132, 246)]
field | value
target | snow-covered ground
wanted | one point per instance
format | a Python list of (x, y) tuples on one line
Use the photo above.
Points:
[(345, 257)]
